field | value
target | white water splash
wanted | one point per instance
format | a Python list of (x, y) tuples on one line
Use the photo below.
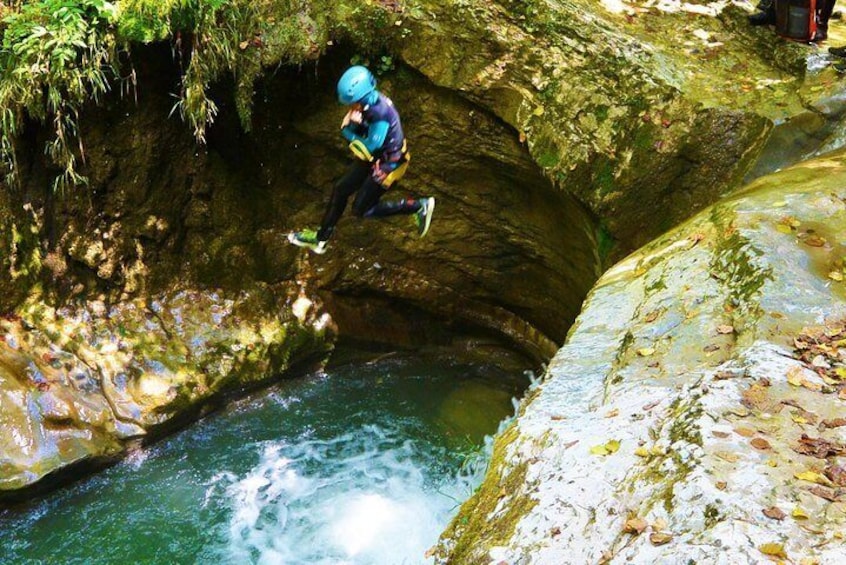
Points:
[(360, 498)]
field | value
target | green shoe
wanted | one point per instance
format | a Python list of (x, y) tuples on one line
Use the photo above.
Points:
[(423, 217), (308, 239)]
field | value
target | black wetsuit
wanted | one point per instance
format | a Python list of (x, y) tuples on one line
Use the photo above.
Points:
[(360, 176)]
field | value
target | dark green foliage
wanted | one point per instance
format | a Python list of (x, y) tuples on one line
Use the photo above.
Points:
[(57, 55)]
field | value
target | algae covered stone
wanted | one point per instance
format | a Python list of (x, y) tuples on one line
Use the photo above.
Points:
[(79, 382), (714, 427)]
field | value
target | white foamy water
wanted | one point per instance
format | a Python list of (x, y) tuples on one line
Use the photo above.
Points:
[(360, 498)]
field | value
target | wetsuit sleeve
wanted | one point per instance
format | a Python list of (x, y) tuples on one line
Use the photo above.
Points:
[(375, 138)]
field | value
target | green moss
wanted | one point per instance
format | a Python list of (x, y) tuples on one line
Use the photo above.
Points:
[(656, 285), (603, 176), (735, 264), (476, 526), (683, 417), (712, 515), (58, 55), (548, 159)]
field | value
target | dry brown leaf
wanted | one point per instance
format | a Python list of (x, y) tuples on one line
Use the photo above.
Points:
[(794, 376), (755, 397), (739, 412), (819, 447), (721, 485), (727, 456), (725, 329), (696, 237), (837, 474), (721, 435), (745, 432), (760, 443), (826, 493), (635, 526), (570, 444), (801, 416), (842, 394), (651, 405), (660, 538), (652, 316), (774, 512), (723, 375), (814, 240), (711, 348), (834, 423), (613, 413)]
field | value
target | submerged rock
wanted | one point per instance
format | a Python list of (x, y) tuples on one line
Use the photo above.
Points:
[(694, 413), (82, 383)]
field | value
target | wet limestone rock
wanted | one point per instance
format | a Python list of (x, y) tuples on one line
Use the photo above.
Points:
[(80, 384), (695, 413)]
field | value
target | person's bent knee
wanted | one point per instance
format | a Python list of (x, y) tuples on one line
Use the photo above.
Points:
[(360, 211)]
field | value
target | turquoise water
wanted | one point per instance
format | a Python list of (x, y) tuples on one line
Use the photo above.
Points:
[(362, 463)]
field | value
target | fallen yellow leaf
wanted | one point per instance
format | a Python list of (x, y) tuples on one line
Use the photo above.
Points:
[(646, 351), (660, 538), (641, 452), (794, 376), (798, 419), (598, 450), (774, 549), (613, 413), (606, 449), (745, 432), (813, 477), (727, 456), (836, 276), (799, 514), (811, 385)]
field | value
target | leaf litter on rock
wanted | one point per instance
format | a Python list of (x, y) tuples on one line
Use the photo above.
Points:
[(774, 512), (819, 447)]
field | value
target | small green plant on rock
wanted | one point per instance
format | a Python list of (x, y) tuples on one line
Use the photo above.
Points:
[(55, 56)]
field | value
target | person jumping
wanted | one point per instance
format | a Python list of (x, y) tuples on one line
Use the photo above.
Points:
[(372, 126)]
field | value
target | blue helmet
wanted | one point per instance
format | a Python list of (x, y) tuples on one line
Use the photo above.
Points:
[(355, 84)]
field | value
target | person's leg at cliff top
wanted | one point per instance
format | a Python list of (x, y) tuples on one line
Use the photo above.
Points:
[(824, 10), (765, 14), (372, 126)]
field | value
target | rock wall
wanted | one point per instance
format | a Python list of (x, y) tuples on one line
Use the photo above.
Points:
[(695, 412), (82, 384), (646, 112)]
